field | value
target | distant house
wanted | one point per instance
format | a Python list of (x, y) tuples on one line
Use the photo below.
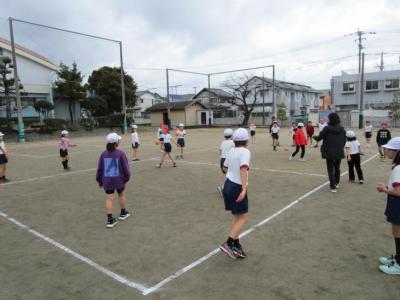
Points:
[(144, 100), (35, 73), (190, 113)]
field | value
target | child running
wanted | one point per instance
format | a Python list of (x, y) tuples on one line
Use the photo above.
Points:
[(166, 140), (180, 133), (235, 191), (353, 150), (64, 144), (300, 141), (160, 136), (224, 149), (383, 136), (310, 132), (112, 174), (368, 133), (252, 129), (275, 135), (391, 265), (135, 143), (3, 159)]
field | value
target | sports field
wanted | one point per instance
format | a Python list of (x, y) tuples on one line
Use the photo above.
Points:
[(302, 241)]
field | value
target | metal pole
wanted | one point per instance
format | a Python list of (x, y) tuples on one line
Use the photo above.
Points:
[(168, 105), (273, 90), (125, 127), (209, 100), (263, 101), (361, 89), (21, 128)]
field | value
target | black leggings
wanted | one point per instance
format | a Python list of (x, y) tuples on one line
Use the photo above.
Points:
[(303, 151), (333, 166), (355, 162)]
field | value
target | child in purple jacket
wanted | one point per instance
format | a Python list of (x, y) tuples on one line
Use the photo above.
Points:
[(112, 174)]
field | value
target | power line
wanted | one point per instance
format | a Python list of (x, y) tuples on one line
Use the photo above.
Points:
[(359, 41)]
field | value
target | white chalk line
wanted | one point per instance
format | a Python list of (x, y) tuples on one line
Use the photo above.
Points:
[(258, 169), (243, 234), (78, 256)]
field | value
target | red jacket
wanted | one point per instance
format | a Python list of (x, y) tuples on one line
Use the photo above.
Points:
[(300, 137), (310, 129)]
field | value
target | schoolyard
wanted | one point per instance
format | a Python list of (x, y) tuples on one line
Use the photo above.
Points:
[(302, 241)]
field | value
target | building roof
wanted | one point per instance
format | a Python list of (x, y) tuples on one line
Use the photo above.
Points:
[(220, 93), (178, 105), (27, 53), (287, 85)]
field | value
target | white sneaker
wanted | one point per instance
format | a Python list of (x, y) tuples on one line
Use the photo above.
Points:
[(290, 157), (387, 261), (393, 269), (334, 190)]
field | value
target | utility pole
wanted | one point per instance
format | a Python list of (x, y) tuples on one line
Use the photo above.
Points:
[(359, 41), (381, 67), (361, 95), (195, 89), (263, 100)]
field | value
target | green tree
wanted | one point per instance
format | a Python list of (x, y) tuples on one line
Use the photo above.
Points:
[(394, 109), (281, 115), (105, 84), (43, 107), (7, 84), (68, 87)]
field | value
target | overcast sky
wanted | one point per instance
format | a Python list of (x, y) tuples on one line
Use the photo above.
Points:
[(305, 39)]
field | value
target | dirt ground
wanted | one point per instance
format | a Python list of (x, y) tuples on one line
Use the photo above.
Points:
[(324, 247)]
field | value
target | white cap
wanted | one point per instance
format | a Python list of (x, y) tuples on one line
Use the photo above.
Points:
[(240, 134), (228, 132), (350, 134), (180, 125), (64, 132), (113, 138), (394, 144), (134, 126), (300, 124)]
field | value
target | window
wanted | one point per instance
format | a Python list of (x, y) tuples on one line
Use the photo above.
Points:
[(392, 84), (348, 87), (371, 85)]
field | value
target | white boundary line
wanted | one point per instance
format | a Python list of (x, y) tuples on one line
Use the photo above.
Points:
[(78, 256), (243, 234)]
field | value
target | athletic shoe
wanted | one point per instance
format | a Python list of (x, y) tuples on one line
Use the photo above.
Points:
[(361, 181), (337, 186), (177, 157), (174, 165), (159, 165), (302, 159), (220, 191), (124, 216), (334, 190), (135, 159), (67, 169), (392, 269), (238, 251), (111, 223), (387, 261), (227, 250), (4, 180), (290, 157)]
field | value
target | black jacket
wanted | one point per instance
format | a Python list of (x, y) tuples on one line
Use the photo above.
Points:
[(334, 139)]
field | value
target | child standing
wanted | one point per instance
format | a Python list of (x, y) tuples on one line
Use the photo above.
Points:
[(293, 133), (180, 133), (275, 135), (224, 149), (235, 191), (166, 140), (300, 141), (252, 129), (383, 136), (3, 159), (112, 174), (64, 144), (353, 150), (391, 265), (310, 132), (160, 136), (135, 143), (368, 133)]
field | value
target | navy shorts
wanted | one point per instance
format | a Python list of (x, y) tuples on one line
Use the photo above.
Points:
[(368, 135), (231, 192), (252, 133), (181, 142), (109, 192), (63, 153), (392, 211), (275, 136), (161, 139), (167, 147), (135, 145), (221, 164), (3, 159)]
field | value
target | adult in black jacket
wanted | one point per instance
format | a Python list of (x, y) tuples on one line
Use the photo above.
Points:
[(332, 149)]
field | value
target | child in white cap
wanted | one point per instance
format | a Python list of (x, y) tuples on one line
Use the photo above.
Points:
[(112, 175), (180, 134), (135, 142), (353, 152), (64, 144), (391, 265), (224, 149), (3, 159), (167, 139), (300, 142), (236, 166)]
